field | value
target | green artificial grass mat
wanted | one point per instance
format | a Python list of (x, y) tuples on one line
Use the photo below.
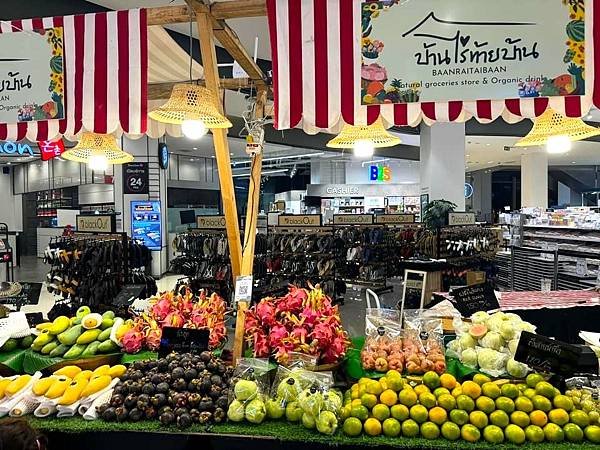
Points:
[(284, 431)]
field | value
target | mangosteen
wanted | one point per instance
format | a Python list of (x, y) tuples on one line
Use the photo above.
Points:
[(138, 365), (205, 385), (148, 389), (156, 379), (222, 402), (205, 417), (180, 385), (130, 401), (195, 415), (206, 404), (215, 392), (184, 421), (100, 409), (150, 413), (116, 400), (205, 356), (151, 364), (125, 376), (137, 375), (219, 415), (167, 418), (212, 366), (194, 385), (170, 357), (162, 365), (109, 414), (173, 365), (164, 409), (158, 399), (120, 389), (180, 411), (134, 387), (180, 400), (190, 374), (162, 388), (177, 373), (143, 401), (229, 371), (135, 415), (194, 399), (200, 366), (195, 359), (216, 379), (121, 413), (221, 368)]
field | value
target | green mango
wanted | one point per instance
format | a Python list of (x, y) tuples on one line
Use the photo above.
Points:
[(70, 336), (108, 346), (108, 315), (104, 335), (9, 345), (82, 312), (88, 336), (46, 349), (107, 323), (43, 338), (59, 350), (75, 321), (90, 350), (75, 351), (26, 341)]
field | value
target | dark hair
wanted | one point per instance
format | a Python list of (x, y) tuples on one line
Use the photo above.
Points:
[(17, 434)]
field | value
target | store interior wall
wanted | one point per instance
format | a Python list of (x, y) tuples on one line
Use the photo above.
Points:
[(11, 211)]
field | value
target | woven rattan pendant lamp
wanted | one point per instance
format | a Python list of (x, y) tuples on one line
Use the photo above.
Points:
[(364, 139), (192, 106), (557, 132), (98, 151)]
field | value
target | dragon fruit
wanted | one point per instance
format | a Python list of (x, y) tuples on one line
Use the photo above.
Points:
[(161, 309), (133, 341), (302, 321), (173, 319)]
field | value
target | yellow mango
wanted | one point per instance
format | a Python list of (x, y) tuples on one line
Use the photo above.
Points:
[(73, 392), (68, 371)]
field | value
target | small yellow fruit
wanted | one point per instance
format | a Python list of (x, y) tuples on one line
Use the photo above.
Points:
[(72, 392), (41, 386), (58, 387), (17, 384), (3, 383), (68, 371), (96, 385), (83, 375), (117, 371)]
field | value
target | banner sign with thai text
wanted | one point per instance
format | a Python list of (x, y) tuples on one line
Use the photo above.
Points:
[(31, 75), (445, 50)]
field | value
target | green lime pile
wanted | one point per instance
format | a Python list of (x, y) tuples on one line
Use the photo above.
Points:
[(481, 409)]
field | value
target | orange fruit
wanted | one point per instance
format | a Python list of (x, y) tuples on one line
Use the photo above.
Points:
[(559, 416), (491, 390), (352, 427), (430, 430), (522, 403), (391, 427), (419, 413), (479, 419), (440, 391), (470, 433), (438, 415), (465, 402), (493, 434), (399, 412), (538, 418), (499, 418), (534, 434), (388, 397), (485, 404), (459, 417), (380, 412), (448, 381), (505, 404), (408, 397), (514, 434), (410, 428), (450, 431), (369, 400), (573, 432), (520, 418), (554, 433), (447, 401), (471, 389), (372, 427), (421, 389), (428, 400), (431, 380)]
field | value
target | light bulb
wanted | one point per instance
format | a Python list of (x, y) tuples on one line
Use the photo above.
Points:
[(558, 144), (98, 163), (193, 129), (364, 148)]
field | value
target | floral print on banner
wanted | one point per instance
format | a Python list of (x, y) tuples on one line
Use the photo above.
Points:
[(53, 108), (374, 77)]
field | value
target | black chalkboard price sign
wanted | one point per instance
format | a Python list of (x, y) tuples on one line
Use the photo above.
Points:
[(183, 340), (470, 299), (548, 355)]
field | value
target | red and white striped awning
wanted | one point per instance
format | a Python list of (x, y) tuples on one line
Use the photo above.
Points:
[(315, 45), (106, 70)]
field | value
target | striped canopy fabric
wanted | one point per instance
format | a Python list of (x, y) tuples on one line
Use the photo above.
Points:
[(315, 46), (105, 75)]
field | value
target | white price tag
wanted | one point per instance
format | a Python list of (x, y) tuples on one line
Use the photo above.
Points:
[(243, 289), (582, 269)]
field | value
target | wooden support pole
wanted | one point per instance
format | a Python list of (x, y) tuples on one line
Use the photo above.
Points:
[(252, 209), (162, 91), (211, 76)]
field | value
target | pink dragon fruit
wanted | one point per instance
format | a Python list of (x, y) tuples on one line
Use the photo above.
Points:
[(265, 311), (132, 341), (161, 309), (277, 334), (323, 333), (261, 345), (173, 319), (153, 337)]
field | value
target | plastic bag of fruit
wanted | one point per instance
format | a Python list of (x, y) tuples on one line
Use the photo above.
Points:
[(318, 405), (383, 343), (250, 387), (423, 343)]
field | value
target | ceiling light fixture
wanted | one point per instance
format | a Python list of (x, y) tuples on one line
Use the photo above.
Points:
[(557, 132), (98, 151), (364, 139)]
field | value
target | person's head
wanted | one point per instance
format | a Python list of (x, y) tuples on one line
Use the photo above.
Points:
[(16, 434)]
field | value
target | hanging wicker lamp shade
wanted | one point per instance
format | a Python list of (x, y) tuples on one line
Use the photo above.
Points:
[(190, 102), (376, 133), (93, 144), (552, 124)]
